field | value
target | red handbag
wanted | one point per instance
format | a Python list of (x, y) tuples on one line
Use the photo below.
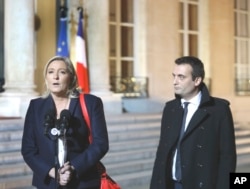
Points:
[(106, 181)]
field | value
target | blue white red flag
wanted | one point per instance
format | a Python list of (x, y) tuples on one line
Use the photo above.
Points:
[(81, 59)]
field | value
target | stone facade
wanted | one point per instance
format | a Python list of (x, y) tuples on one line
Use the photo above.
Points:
[(157, 45)]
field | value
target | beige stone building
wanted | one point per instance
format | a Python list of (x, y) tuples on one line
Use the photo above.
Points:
[(133, 39)]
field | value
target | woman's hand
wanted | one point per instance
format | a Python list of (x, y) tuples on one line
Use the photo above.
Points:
[(65, 174)]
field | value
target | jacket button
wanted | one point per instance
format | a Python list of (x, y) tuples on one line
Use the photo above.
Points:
[(202, 128), (200, 184), (199, 146), (199, 165)]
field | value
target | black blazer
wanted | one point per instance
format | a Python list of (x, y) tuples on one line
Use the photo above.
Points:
[(38, 150), (208, 145)]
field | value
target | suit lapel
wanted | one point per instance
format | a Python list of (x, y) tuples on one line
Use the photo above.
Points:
[(72, 106), (175, 126), (198, 116)]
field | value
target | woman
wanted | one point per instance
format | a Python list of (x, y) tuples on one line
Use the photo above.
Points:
[(55, 138)]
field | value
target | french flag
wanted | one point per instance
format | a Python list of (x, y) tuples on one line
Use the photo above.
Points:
[(81, 60)]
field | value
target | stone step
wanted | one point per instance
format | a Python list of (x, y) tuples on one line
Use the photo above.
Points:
[(16, 182), (243, 150), (135, 178), (10, 157), (243, 145), (8, 146), (124, 127), (133, 143), (130, 155), (128, 167), (132, 118), (242, 133), (116, 146), (18, 168), (11, 124), (243, 162), (131, 135), (11, 135)]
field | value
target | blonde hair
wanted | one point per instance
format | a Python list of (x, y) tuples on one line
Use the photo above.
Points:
[(73, 85)]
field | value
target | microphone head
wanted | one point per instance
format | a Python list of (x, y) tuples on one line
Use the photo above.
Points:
[(64, 121), (49, 120), (65, 114)]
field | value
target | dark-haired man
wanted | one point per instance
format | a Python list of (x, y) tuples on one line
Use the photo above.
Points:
[(206, 151)]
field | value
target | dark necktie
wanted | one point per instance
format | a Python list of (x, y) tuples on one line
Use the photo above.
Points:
[(178, 158)]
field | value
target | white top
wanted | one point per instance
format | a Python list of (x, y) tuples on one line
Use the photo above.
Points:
[(62, 149)]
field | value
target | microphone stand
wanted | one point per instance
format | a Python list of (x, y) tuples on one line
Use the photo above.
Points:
[(62, 137), (56, 162), (55, 136), (52, 134)]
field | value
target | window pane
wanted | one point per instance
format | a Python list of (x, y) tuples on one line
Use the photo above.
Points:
[(112, 69), (243, 4), (235, 51), (127, 11), (236, 33), (112, 12), (181, 44), (243, 47), (127, 68), (193, 17), (243, 25), (127, 42), (193, 45), (240, 4), (181, 18), (112, 41)]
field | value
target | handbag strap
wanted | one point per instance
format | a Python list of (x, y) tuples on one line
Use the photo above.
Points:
[(86, 115), (101, 167)]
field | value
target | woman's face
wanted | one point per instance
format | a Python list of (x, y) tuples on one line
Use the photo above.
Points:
[(57, 78)]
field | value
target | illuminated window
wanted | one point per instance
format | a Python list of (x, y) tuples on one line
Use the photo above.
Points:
[(121, 25), (189, 28), (242, 44)]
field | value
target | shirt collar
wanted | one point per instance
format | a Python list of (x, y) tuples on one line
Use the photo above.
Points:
[(195, 100)]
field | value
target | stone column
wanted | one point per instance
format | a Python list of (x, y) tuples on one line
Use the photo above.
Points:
[(140, 38), (19, 57), (98, 53), (98, 45)]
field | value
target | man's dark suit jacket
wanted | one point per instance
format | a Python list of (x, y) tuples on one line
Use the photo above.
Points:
[(38, 150), (208, 152)]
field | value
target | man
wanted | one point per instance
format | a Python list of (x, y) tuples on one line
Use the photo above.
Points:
[(207, 148)]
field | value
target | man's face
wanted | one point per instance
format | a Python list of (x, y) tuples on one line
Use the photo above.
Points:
[(184, 85)]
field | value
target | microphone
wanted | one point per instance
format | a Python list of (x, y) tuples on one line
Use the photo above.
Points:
[(49, 121), (63, 126), (64, 121)]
